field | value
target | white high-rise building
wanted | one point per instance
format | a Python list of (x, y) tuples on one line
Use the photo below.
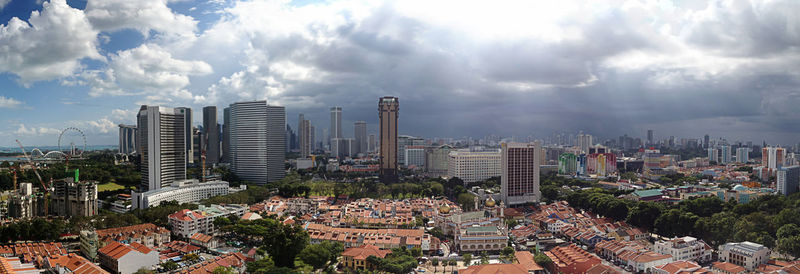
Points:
[(725, 154), (788, 180), (257, 141), (474, 166), (713, 155), (162, 139), (520, 172), (584, 142), (743, 154)]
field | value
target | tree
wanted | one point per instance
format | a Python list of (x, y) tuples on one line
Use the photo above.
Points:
[(788, 230), (224, 270), (542, 259), (315, 255), (484, 258), (466, 201), (191, 257), (416, 252), (467, 258), (144, 271), (169, 265), (282, 242)]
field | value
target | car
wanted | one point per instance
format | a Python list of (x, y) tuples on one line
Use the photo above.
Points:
[(421, 270)]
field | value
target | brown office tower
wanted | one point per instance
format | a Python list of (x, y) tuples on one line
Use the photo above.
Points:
[(388, 110), (519, 181)]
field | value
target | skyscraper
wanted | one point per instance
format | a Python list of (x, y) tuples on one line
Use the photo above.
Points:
[(211, 134), (773, 157), (705, 141), (162, 139), (226, 135), (187, 120), (360, 134), (649, 136), (584, 142), (388, 112), (127, 139), (305, 138), (300, 119), (788, 180), (372, 143), (257, 141), (742, 155), (725, 154), (520, 175), (713, 155), (312, 137), (336, 122)]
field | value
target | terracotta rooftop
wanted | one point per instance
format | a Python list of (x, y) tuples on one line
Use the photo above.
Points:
[(494, 269), (76, 264), (116, 250), (601, 269), (728, 267), (686, 267), (361, 253), (235, 260), (525, 258), (200, 237)]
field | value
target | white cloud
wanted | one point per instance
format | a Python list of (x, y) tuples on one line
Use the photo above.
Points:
[(141, 15), (50, 45), (8, 102), (35, 131), (3, 3)]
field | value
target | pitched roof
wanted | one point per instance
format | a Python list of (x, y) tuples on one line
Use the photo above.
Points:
[(200, 237), (235, 260), (115, 250), (76, 264), (601, 269), (728, 267), (494, 269), (682, 267), (362, 252), (525, 258)]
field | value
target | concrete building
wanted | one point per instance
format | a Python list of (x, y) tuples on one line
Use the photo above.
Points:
[(127, 139), (571, 259), (746, 254), (713, 155), (89, 244), (72, 197), (585, 142), (355, 258), (360, 136), (372, 143), (226, 135), (773, 157), (474, 166), (403, 142), (415, 156), (184, 191), (436, 159), (743, 155), (197, 140), (388, 112), (186, 223), (685, 249), (520, 172), (725, 154), (305, 139), (336, 122), (162, 142), (788, 180), (127, 259), (211, 134), (649, 136), (257, 141), (187, 126)]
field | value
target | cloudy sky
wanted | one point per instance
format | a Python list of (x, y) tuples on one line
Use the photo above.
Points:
[(460, 68)]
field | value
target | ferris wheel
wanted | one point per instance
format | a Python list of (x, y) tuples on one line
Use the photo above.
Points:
[(72, 142)]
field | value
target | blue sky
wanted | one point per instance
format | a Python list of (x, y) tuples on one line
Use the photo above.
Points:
[(460, 68)]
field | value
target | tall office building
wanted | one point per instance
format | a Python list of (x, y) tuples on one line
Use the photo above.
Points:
[(742, 155), (584, 142), (288, 138), (187, 120), (312, 136), (388, 112), (197, 138), (300, 119), (773, 157), (305, 138), (257, 141), (336, 122), (725, 154), (226, 135), (162, 139), (360, 136), (520, 175), (706, 141), (788, 180), (404, 141), (649, 136), (127, 139), (211, 134), (371, 143), (474, 165), (713, 155)]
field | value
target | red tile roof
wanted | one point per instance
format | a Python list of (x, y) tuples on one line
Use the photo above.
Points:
[(494, 269), (115, 250), (361, 253), (235, 260), (525, 258), (728, 267), (200, 237), (75, 263)]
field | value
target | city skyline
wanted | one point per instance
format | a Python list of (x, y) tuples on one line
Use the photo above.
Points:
[(677, 68)]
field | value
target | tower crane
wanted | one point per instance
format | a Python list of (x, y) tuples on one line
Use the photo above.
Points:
[(36, 171)]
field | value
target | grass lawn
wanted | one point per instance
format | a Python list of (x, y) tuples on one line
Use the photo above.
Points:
[(109, 187)]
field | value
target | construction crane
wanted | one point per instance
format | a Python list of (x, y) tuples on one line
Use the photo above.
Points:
[(36, 171)]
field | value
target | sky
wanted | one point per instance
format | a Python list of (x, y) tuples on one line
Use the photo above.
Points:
[(460, 68)]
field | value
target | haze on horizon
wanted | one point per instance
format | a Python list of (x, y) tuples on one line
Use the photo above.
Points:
[(460, 68)]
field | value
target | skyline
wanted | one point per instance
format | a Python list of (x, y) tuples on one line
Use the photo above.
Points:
[(723, 68)]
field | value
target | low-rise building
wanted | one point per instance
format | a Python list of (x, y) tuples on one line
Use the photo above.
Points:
[(677, 267), (685, 249), (746, 254), (148, 234), (71, 263), (355, 258), (571, 259), (727, 268), (187, 222), (126, 259), (481, 238), (203, 240), (184, 191), (235, 260)]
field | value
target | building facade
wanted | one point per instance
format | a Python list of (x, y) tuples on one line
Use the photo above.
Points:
[(685, 249), (746, 254), (127, 258), (388, 112), (360, 136), (257, 141), (211, 136), (474, 166), (520, 172), (127, 139), (336, 122), (162, 143), (436, 159), (743, 155), (185, 191), (187, 126), (788, 180), (415, 156), (773, 157), (71, 197)]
